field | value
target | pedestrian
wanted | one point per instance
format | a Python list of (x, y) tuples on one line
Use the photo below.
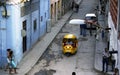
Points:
[(102, 34), (103, 9), (90, 31), (100, 1), (105, 59), (116, 71), (12, 65), (83, 29), (113, 62), (73, 73), (8, 62), (69, 42), (73, 4), (77, 7)]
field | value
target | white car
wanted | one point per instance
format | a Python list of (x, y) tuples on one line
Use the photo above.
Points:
[(90, 18)]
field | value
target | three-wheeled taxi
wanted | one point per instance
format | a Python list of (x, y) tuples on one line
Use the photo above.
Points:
[(69, 44)]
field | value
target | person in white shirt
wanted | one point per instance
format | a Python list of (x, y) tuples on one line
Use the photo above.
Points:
[(105, 61)]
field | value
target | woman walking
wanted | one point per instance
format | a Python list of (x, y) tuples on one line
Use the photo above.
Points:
[(12, 65)]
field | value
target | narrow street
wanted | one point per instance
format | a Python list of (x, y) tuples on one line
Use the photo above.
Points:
[(53, 62)]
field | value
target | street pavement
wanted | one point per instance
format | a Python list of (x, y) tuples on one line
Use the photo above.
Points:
[(31, 58)]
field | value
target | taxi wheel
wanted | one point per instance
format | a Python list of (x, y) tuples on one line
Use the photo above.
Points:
[(74, 52), (68, 54)]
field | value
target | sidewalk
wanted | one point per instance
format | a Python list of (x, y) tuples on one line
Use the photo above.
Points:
[(101, 44), (31, 58)]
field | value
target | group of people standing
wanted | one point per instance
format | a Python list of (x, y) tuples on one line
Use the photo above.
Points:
[(106, 60), (11, 63)]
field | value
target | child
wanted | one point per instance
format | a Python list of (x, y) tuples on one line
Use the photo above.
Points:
[(8, 62), (12, 65)]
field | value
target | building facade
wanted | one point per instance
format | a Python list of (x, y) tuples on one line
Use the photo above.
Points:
[(118, 46), (55, 10), (66, 5), (22, 24), (114, 24), (59, 8)]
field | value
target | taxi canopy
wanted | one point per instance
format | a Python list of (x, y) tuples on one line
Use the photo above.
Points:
[(70, 36)]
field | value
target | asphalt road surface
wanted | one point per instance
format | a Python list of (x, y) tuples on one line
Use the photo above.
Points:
[(54, 62)]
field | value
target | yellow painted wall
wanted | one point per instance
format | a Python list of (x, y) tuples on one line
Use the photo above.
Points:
[(55, 10)]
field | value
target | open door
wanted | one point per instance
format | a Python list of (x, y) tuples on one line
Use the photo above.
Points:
[(24, 43)]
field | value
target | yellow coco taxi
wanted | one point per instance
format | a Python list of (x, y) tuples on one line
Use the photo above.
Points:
[(69, 44)]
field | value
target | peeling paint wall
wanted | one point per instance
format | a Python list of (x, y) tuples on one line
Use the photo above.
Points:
[(22, 16)]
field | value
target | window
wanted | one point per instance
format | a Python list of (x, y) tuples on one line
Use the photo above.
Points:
[(35, 25), (41, 18), (45, 15)]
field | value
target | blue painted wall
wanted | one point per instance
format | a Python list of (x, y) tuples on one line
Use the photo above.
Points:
[(16, 32), (3, 30), (11, 37), (44, 15)]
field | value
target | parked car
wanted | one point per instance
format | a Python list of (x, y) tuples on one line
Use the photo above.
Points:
[(90, 18), (91, 22)]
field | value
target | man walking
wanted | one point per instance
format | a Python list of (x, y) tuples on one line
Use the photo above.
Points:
[(83, 29), (77, 7)]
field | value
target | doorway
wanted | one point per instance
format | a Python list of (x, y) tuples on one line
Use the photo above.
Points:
[(24, 43)]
